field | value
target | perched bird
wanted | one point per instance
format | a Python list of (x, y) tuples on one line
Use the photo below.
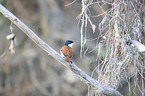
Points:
[(67, 51)]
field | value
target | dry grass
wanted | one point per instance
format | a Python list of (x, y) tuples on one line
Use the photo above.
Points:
[(116, 60)]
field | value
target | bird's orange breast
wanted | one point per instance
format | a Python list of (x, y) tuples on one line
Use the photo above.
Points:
[(67, 51)]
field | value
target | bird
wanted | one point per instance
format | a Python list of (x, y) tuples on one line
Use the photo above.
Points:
[(67, 51)]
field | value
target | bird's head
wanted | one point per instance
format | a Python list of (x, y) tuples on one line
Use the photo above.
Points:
[(69, 43)]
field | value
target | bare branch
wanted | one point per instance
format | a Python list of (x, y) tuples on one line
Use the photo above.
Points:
[(77, 72)]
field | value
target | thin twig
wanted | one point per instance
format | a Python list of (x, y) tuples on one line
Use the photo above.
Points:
[(70, 3)]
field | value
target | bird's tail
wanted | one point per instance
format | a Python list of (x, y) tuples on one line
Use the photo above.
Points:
[(67, 59)]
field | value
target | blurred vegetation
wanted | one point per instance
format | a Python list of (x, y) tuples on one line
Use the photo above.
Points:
[(32, 72)]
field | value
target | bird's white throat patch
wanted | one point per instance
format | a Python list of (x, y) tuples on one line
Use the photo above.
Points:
[(70, 45)]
